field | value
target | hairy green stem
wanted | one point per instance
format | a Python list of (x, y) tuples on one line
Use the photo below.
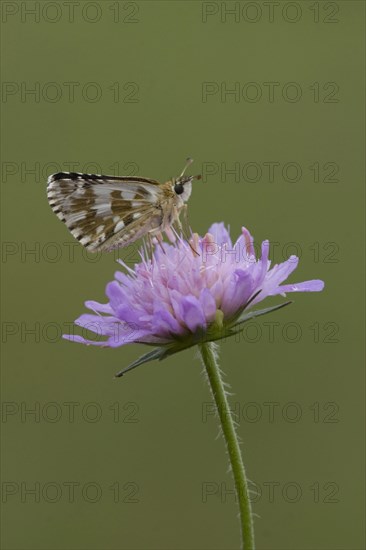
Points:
[(208, 355)]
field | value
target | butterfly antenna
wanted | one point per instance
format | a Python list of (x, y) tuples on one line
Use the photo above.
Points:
[(188, 163)]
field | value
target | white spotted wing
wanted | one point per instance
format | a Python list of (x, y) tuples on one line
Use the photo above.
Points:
[(106, 212)]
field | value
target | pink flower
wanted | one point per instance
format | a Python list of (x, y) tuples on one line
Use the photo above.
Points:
[(180, 298)]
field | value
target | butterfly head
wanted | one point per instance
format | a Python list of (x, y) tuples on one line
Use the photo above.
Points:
[(183, 184)]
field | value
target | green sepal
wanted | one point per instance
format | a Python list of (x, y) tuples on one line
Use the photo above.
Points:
[(156, 353), (247, 316)]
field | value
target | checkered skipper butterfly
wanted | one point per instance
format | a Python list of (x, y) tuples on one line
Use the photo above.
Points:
[(108, 212)]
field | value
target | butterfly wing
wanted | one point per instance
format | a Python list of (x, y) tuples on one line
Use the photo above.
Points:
[(105, 212)]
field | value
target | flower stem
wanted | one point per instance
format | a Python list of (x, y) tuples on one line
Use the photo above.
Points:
[(208, 355)]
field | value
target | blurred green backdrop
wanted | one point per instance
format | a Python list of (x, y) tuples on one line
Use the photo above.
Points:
[(268, 99)]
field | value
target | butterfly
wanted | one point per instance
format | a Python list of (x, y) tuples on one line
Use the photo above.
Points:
[(108, 212)]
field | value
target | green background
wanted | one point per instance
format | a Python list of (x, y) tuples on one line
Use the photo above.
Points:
[(311, 450)]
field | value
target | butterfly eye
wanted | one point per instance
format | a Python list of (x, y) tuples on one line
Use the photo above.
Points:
[(178, 188)]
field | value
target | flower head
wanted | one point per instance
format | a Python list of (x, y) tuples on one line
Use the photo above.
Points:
[(189, 292)]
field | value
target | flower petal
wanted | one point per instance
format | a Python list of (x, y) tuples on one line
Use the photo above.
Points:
[(127, 335), (103, 326), (127, 314), (208, 305), (163, 323), (160, 300), (192, 313), (270, 280), (220, 234), (97, 307), (245, 247), (316, 285), (249, 242), (116, 294), (237, 292), (80, 340)]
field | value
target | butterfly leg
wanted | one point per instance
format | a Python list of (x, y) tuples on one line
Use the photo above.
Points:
[(159, 238), (170, 234), (185, 229), (150, 247)]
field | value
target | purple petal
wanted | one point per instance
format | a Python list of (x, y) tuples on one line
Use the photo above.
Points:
[(176, 301), (80, 340), (264, 262), (192, 312), (103, 326), (315, 285), (269, 281), (208, 305), (281, 272), (126, 335), (245, 245), (127, 314), (122, 278), (97, 307), (116, 294), (237, 292), (164, 323), (217, 290), (220, 234)]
